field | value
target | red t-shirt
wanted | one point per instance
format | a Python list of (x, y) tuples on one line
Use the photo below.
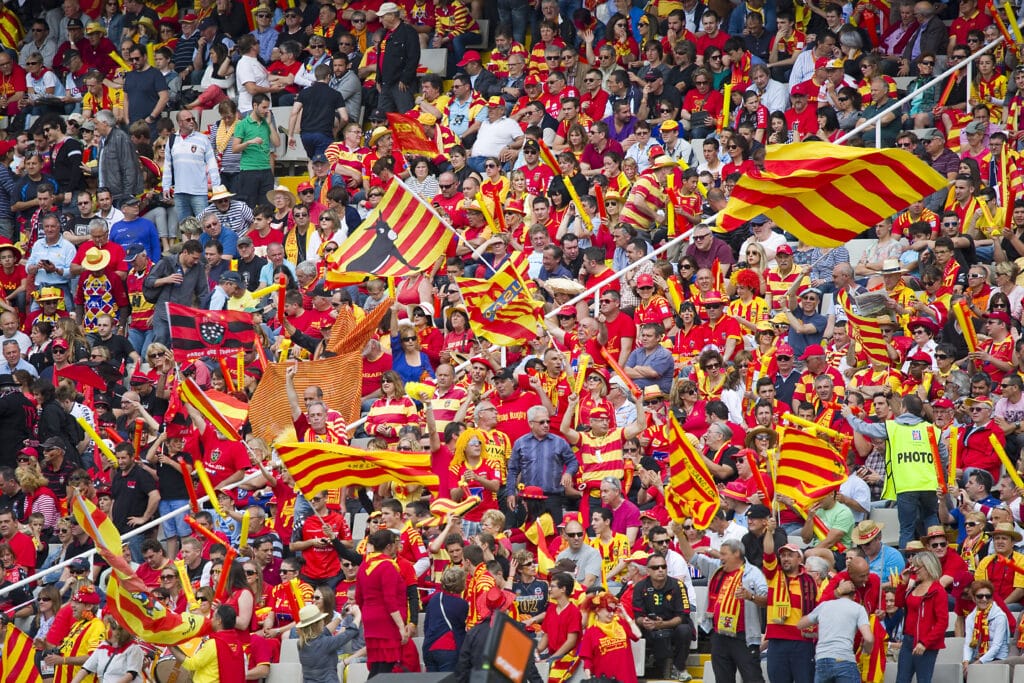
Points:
[(322, 561), (222, 458), (116, 251), (24, 550), (260, 243), (512, 413), (623, 327), (372, 372), (10, 282), (558, 625)]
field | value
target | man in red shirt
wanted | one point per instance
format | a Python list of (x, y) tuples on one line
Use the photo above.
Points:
[(450, 200), (969, 19), (224, 460), (21, 544), (620, 327), (802, 118), (512, 403), (538, 175), (312, 426), (315, 539), (100, 238)]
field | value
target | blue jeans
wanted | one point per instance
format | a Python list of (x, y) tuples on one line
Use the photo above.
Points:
[(834, 671), (189, 204), (460, 43), (175, 526), (791, 661), (140, 339), (135, 546), (515, 13), (909, 665), (440, 660), (917, 510), (315, 143)]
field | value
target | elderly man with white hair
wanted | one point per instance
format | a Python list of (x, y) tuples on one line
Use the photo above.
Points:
[(542, 459)]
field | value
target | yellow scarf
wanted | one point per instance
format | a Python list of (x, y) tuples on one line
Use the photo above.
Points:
[(613, 629), (224, 135), (980, 639), (729, 606), (779, 605)]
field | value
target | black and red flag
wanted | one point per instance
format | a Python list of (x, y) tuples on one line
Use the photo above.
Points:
[(196, 333)]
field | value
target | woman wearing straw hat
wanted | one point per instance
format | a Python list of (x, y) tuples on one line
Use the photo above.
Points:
[(318, 648)]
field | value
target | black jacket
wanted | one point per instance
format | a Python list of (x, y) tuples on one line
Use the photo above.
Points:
[(486, 84), (400, 57)]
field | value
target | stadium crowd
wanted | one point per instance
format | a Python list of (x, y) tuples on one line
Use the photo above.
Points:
[(552, 452)]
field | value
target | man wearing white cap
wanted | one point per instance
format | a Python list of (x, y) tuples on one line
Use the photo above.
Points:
[(397, 58), (498, 136), (190, 166)]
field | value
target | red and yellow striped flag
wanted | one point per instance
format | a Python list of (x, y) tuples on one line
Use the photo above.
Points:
[(868, 333), (808, 468), (872, 664), (11, 30), (548, 157), (95, 523), (402, 236), (691, 491), (538, 535), (409, 137), (320, 467), (500, 307), (195, 397), (147, 618), (828, 194), (18, 663)]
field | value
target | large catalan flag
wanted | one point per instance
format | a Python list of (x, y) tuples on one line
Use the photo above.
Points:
[(223, 416), (808, 468), (828, 194), (409, 136), (691, 490), (402, 236), (132, 606), (18, 662), (198, 333), (321, 467), (501, 309), (11, 30)]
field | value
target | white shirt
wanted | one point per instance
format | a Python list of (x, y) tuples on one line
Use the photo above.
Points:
[(249, 70), (115, 216), (679, 569), (493, 136)]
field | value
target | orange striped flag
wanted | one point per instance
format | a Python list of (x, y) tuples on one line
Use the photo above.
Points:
[(95, 523), (402, 236), (273, 421), (234, 411), (320, 467), (538, 535), (828, 194), (808, 468), (18, 662), (148, 619), (501, 309), (195, 397), (691, 491)]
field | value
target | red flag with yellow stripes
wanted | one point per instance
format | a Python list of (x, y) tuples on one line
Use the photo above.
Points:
[(95, 523), (320, 467), (827, 194), (868, 333), (198, 399), (402, 236), (548, 157), (691, 490), (501, 308), (808, 468), (11, 30), (18, 663)]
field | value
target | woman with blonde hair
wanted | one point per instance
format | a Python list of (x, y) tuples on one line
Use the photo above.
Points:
[(38, 497), (925, 603), (318, 649), (474, 473), (67, 328), (392, 411), (408, 359)]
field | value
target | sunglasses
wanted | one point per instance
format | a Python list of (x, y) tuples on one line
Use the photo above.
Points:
[(406, 339), (982, 596), (575, 534)]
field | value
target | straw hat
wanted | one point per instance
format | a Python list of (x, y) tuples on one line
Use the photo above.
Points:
[(281, 189), (309, 615), (96, 259), (1007, 529), (377, 134), (563, 285), (220, 192), (866, 531)]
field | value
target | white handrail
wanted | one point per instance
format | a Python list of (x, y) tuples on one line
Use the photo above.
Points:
[(876, 120)]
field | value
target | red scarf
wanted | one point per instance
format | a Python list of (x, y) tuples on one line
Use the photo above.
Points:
[(230, 658)]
